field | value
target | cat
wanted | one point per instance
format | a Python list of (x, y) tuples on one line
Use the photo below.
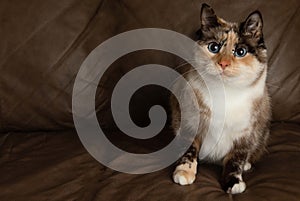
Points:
[(236, 52)]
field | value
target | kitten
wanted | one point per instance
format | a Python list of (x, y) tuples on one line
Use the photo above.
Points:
[(235, 52)]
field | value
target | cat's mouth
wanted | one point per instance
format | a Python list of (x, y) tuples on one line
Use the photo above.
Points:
[(228, 73)]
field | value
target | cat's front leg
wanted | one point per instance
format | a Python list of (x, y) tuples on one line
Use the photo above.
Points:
[(186, 167), (234, 163)]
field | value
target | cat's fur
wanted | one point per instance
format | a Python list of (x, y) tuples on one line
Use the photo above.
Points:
[(247, 104)]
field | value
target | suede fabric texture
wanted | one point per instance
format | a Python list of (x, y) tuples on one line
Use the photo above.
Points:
[(43, 44)]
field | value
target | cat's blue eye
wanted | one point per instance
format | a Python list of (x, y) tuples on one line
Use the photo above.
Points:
[(214, 47), (240, 52)]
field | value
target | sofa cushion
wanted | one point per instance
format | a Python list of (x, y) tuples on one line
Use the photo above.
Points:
[(43, 44), (55, 166)]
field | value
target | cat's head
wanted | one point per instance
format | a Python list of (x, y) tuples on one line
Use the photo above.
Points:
[(236, 51)]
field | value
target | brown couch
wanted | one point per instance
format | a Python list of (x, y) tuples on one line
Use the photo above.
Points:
[(43, 44)]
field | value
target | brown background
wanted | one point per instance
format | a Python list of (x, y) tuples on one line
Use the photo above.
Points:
[(42, 46)]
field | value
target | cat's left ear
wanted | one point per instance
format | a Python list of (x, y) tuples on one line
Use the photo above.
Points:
[(253, 25)]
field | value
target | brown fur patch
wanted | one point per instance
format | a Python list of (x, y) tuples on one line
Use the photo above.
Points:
[(175, 112), (247, 60), (261, 118)]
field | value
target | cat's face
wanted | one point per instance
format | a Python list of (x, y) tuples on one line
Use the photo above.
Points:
[(235, 51)]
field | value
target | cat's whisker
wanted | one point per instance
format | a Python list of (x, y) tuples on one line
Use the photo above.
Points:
[(182, 76), (185, 63), (274, 86), (201, 73)]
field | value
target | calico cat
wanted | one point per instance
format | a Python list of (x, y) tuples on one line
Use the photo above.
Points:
[(236, 53)]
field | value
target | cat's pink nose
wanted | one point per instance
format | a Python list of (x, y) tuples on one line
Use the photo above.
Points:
[(224, 63)]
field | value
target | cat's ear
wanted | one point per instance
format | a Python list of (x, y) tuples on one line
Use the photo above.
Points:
[(253, 25), (208, 17)]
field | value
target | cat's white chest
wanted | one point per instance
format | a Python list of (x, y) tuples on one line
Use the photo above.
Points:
[(229, 126), (238, 107)]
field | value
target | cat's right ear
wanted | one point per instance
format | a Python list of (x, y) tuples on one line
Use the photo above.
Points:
[(208, 17), (253, 25)]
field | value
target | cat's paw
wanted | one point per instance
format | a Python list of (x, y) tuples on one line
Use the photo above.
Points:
[(237, 188), (247, 166), (183, 177), (234, 184), (185, 174)]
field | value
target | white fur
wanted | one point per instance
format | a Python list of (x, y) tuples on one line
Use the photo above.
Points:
[(247, 166), (238, 188), (238, 106)]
